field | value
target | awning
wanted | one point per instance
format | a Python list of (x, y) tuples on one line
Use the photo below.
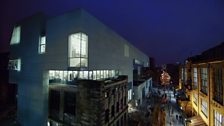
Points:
[(196, 121)]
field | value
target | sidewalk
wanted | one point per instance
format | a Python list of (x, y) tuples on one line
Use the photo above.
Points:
[(171, 119), (172, 114)]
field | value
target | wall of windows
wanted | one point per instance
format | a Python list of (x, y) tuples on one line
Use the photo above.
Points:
[(204, 107), (15, 64), (78, 50), (204, 80), (68, 77), (42, 45), (218, 85), (15, 39), (195, 99), (195, 78), (218, 119)]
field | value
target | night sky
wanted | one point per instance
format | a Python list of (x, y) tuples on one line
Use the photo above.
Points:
[(169, 30)]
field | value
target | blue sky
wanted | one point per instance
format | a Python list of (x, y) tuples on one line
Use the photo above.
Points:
[(170, 31)]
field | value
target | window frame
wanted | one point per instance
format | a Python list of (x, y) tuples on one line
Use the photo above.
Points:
[(42, 50), (204, 107), (80, 58), (204, 80)]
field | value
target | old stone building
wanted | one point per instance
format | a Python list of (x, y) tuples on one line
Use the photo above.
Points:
[(205, 86), (90, 103)]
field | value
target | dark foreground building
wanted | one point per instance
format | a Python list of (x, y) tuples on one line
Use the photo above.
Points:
[(89, 103)]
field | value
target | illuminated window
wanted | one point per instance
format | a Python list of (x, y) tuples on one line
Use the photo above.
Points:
[(101, 74), (218, 119), (195, 78), (16, 35), (126, 50), (94, 75), (204, 80), (78, 50), (204, 107), (42, 45), (97, 74), (15, 64), (90, 75), (66, 77)]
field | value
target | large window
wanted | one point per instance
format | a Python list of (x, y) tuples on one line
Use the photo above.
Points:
[(195, 78), (204, 107), (204, 80), (15, 64), (15, 39), (218, 119), (67, 77), (195, 99), (42, 45), (78, 50), (218, 85)]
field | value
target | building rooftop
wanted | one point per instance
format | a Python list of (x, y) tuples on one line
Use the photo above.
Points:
[(212, 54)]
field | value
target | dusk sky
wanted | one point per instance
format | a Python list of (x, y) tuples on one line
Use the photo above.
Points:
[(168, 30)]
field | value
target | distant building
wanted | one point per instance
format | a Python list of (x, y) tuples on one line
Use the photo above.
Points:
[(61, 50), (89, 103), (152, 63), (173, 70), (202, 77)]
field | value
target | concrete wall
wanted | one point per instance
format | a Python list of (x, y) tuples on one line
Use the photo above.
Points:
[(32, 107), (105, 47)]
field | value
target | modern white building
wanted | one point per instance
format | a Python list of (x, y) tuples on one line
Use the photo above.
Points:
[(75, 45), (141, 90)]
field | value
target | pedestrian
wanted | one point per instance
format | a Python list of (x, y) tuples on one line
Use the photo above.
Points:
[(176, 116), (180, 118)]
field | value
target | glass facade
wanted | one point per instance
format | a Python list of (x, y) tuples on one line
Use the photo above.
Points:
[(78, 50), (204, 80), (68, 77)]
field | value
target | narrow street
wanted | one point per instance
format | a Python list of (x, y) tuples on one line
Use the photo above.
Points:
[(173, 116)]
